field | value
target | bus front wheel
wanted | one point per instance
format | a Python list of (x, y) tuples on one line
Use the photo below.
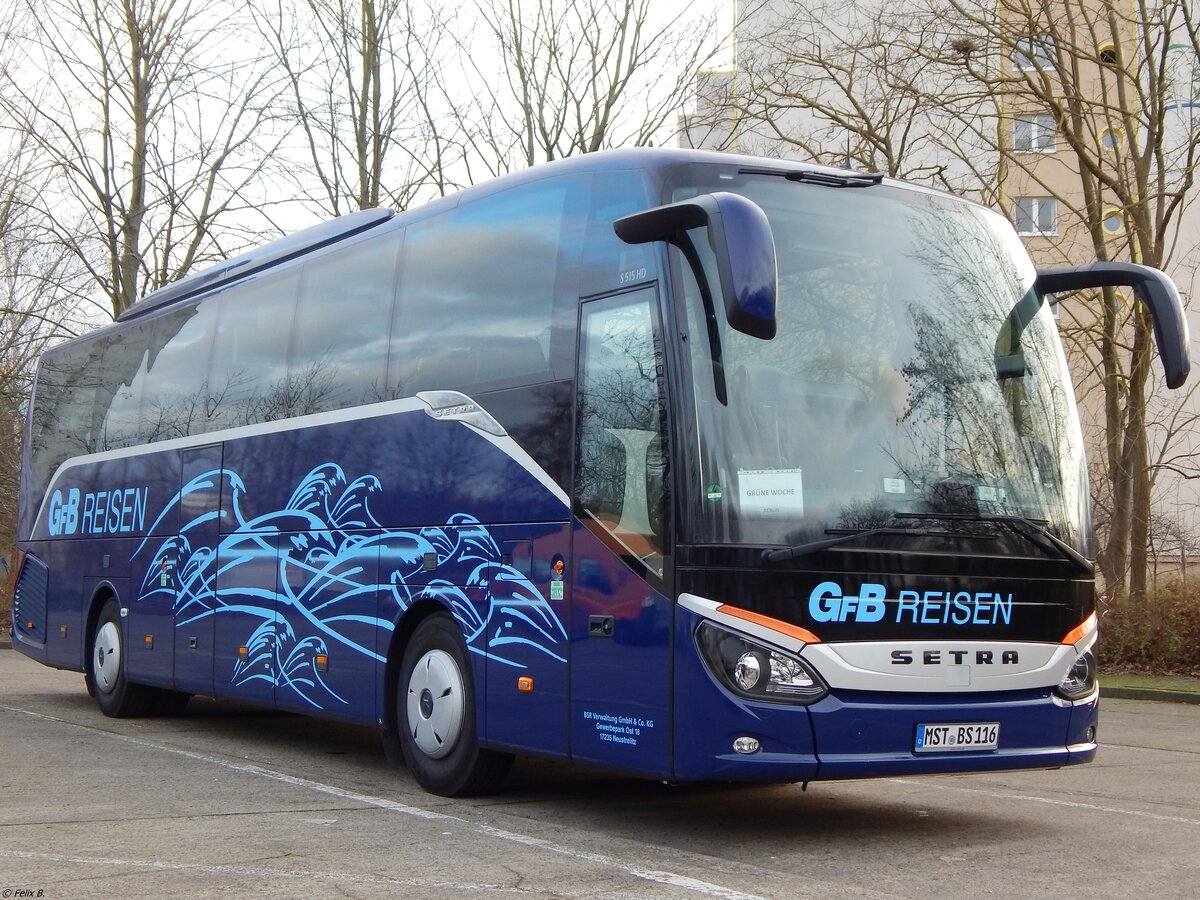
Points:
[(436, 715), (115, 694)]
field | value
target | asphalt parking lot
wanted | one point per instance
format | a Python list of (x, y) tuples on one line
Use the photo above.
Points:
[(233, 801)]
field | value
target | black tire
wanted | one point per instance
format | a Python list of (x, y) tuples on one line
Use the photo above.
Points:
[(435, 714), (115, 694), (169, 703)]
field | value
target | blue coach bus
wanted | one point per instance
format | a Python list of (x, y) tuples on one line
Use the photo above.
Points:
[(690, 465)]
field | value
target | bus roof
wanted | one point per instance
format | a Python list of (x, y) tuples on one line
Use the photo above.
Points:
[(344, 227), (263, 257)]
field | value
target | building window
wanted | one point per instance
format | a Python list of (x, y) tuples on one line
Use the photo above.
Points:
[(1033, 53), (1114, 222), (1036, 215), (1112, 138), (1034, 133), (1108, 54)]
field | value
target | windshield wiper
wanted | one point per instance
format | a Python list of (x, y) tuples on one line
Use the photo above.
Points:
[(1046, 539), (828, 178), (1033, 530), (778, 556), (836, 179)]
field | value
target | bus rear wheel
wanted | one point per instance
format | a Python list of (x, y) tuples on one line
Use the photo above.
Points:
[(115, 694), (435, 714)]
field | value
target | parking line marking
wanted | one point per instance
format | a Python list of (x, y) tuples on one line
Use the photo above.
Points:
[(671, 879)]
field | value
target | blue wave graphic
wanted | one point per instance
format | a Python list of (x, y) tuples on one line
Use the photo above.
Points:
[(333, 563)]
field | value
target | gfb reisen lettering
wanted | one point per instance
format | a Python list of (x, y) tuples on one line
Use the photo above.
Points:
[(119, 511), (829, 603)]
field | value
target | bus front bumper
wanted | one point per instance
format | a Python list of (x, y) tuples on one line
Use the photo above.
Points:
[(872, 735), (852, 734)]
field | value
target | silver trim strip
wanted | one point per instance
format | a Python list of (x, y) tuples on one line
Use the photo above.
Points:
[(868, 666), (501, 441)]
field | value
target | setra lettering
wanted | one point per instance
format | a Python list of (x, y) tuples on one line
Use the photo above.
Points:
[(941, 657)]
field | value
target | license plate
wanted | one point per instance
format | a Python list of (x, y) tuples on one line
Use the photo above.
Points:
[(967, 736)]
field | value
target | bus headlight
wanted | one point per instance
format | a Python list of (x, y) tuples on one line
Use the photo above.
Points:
[(1080, 679), (755, 670)]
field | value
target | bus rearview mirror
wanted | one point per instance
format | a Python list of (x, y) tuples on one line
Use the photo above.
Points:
[(1153, 288), (741, 240)]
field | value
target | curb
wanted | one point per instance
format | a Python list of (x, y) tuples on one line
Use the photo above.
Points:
[(1149, 694)]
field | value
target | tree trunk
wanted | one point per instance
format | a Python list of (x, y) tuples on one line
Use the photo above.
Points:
[(1138, 458)]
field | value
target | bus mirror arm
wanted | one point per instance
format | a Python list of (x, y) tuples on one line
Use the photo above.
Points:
[(1010, 361), (742, 243), (1153, 288), (715, 353)]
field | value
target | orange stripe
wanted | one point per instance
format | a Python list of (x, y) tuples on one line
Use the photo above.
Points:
[(1080, 631), (795, 631)]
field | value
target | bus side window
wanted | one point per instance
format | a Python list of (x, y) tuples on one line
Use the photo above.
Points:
[(339, 347), (64, 409), (477, 293), (124, 374), (176, 393), (46, 431), (621, 483), (247, 376), (609, 263)]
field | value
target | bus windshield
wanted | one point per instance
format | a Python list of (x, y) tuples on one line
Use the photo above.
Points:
[(914, 373)]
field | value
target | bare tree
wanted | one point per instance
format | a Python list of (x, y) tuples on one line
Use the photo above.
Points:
[(840, 85), (576, 76), (365, 89), (30, 319), (1170, 534), (142, 115), (1101, 73)]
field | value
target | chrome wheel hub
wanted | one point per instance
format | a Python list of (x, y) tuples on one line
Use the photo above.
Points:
[(436, 704), (106, 658)]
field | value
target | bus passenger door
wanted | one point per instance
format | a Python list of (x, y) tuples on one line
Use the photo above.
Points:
[(620, 616), (193, 569)]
